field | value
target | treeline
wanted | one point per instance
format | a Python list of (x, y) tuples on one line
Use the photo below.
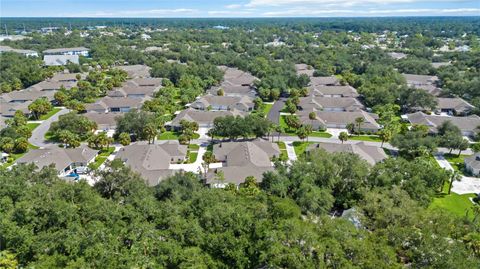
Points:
[(283, 221)]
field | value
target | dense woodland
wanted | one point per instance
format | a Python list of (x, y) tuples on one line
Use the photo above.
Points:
[(290, 219)]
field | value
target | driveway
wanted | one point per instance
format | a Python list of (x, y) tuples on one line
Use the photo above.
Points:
[(274, 113), (292, 156), (38, 134), (466, 184), (192, 167)]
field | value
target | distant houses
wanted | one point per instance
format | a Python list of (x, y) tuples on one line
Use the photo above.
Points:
[(204, 118), (423, 82), (235, 83), (81, 51), (27, 53), (340, 119), (332, 104), (215, 102), (63, 56)]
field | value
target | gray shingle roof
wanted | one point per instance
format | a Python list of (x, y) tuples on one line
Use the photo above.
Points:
[(457, 104), (344, 91), (325, 103), (322, 81), (371, 154), (473, 161), (202, 117), (466, 124), (57, 60)]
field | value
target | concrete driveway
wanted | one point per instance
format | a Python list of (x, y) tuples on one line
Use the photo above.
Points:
[(274, 113), (38, 134)]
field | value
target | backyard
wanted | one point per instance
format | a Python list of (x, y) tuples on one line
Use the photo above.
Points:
[(291, 132), (49, 114), (457, 162), (101, 158)]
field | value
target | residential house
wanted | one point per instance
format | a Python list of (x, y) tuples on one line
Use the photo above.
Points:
[(8, 110), (152, 161), (235, 83), (27, 53), (64, 160), (329, 119), (26, 95), (397, 55), (215, 102), (333, 91), (454, 106), (81, 51), (241, 160), (313, 103), (371, 154), (204, 118), (424, 82), (59, 60), (304, 69), (468, 125), (137, 88), (324, 81), (136, 71), (105, 121), (472, 164), (115, 104)]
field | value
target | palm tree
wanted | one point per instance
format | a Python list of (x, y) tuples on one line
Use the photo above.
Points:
[(207, 158), (454, 176), (359, 122), (343, 136), (308, 130), (385, 135), (351, 128)]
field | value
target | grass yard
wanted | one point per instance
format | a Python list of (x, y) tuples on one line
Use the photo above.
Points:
[(454, 203), (49, 114), (14, 156), (32, 126), (321, 134), (300, 147), (193, 147), (266, 108), (370, 138), (101, 158), (169, 135), (283, 150), (192, 156), (456, 161)]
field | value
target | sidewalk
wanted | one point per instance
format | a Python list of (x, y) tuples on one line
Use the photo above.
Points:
[(290, 152)]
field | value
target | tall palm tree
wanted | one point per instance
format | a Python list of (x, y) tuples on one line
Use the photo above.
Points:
[(359, 122), (454, 176)]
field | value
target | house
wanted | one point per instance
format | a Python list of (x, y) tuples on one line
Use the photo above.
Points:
[(152, 161), (8, 110), (304, 69), (66, 77), (333, 91), (204, 118), (468, 125), (59, 60), (137, 88), (26, 95), (65, 160), (26, 53), (81, 51), (371, 154), (397, 55), (136, 71), (105, 121), (241, 160), (313, 103), (472, 164), (215, 102), (329, 119), (115, 104), (235, 83), (440, 64), (324, 81), (454, 106)]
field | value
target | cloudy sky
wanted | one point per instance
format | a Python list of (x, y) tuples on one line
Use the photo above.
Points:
[(238, 8)]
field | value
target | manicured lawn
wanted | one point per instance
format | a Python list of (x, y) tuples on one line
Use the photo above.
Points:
[(300, 147), (371, 138), (14, 156), (283, 150), (281, 145), (192, 156), (454, 203), (321, 134), (101, 158), (266, 108), (193, 147), (173, 135), (32, 126), (49, 136), (457, 162), (49, 114)]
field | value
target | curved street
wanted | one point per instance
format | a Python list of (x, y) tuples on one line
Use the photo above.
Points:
[(38, 134)]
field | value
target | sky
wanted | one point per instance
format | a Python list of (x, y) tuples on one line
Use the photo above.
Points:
[(237, 8)]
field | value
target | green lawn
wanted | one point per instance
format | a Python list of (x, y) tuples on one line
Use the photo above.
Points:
[(291, 132), (321, 134), (301, 147), (455, 203), (49, 114), (101, 158), (192, 156), (371, 138), (457, 162), (266, 108), (14, 156), (169, 135), (283, 150), (32, 126)]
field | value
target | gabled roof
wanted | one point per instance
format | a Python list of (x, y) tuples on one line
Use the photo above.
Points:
[(105, 119), (8, 109), (135, 71), (344, 91), (466, 124), (202, 116), (152, 161), (26, 95), (457, 104), (60, 157), (213, 100), (57, 60), (304, 69), (473, 161), (319, 81), (420, 79), (371, 154), (343, 118), (64, 50), (237, 77), (320, 103)]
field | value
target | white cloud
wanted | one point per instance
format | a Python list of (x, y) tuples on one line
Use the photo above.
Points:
[(233, 6), (180, 12), (338, 3), (230, 13), (300, 12)]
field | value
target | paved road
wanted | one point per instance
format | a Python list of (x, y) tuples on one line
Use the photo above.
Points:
[(38, 134), (274, 113)]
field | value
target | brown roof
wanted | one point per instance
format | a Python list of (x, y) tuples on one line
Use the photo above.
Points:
[(322, 81), (371, 154), (202, 116), (466, 124), (326, 103)]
